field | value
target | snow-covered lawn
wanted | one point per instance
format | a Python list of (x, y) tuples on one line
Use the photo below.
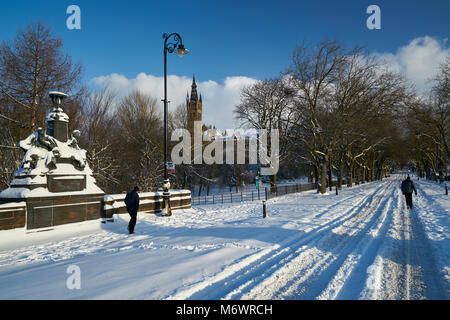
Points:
[(361, 244)]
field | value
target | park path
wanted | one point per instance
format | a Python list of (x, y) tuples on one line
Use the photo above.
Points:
[(361, 244), (375, 249)]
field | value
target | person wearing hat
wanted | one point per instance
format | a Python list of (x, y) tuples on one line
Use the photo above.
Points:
[(132, 203)]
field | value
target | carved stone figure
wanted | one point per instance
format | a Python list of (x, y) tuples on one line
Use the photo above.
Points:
[(39, 146), (45, 141), (73, 141)]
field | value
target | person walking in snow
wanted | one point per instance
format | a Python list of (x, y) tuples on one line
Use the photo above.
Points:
[(407, 189), (132, 203)]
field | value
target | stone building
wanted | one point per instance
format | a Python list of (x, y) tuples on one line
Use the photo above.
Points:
[(193, 107)]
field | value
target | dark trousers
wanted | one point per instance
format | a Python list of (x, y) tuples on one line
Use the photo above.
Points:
[(408, 197), (132, 223)]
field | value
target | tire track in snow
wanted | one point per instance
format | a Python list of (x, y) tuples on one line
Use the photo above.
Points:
[(404, 267), (254, 269), (344, 248), (395, 249), (351, 275), (421, 258), (369, 247)]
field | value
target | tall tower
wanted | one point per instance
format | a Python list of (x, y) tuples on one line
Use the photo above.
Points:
[(194, 107)]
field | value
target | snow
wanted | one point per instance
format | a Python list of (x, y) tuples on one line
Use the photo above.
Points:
[(15, 193), (12, 205), (6, 207), (24, 193), (175, 194), (57, 93), (360, 244), (58, 115), (69, 178), (29, 181)]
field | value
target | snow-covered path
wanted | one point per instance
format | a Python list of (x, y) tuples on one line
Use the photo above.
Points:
[(361, 244)]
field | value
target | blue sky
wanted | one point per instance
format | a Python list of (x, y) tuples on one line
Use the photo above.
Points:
[(247, 38), (251, 38)]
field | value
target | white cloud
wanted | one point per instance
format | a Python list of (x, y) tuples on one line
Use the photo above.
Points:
[(419, 60), (219, 99)]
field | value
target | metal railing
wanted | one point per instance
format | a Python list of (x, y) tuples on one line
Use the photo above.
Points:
[(253, 195)]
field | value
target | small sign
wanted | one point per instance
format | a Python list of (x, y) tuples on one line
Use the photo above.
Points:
[(170, 167), (258, 183)]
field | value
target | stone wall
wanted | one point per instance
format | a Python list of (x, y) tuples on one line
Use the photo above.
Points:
[(149, 202), (48, 211), (12, 215), (53, 211)]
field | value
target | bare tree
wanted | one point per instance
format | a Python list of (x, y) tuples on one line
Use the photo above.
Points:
[(340, 95), (267, 105), (30, 66), (313, 72), (139, 138), (427, 127), (98, 128)]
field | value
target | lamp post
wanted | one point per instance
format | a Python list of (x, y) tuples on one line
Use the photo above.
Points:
[(172, 42)]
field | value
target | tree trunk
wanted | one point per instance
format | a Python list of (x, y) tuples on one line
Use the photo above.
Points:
[(350, 175), (357, 175), (372, 173), (274, 181), (330, 179), (323, 178), (341, 174), (200, 189), (316, 174), (184, 180)]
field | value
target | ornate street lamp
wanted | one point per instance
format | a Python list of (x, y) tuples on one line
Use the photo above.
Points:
[(172, 42)]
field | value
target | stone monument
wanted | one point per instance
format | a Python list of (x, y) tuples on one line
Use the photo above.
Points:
[(54, 178)]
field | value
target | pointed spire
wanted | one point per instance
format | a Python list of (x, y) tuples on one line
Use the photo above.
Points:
[(200, 97), (194, 96)]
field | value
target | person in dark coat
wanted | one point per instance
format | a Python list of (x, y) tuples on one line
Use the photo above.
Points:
[(407, 189), (132, 203)]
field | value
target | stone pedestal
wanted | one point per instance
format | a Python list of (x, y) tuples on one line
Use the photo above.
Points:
[(66, 183), (58, 129), (49, 211), (57, 210), (54, 179), (57, 120)]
